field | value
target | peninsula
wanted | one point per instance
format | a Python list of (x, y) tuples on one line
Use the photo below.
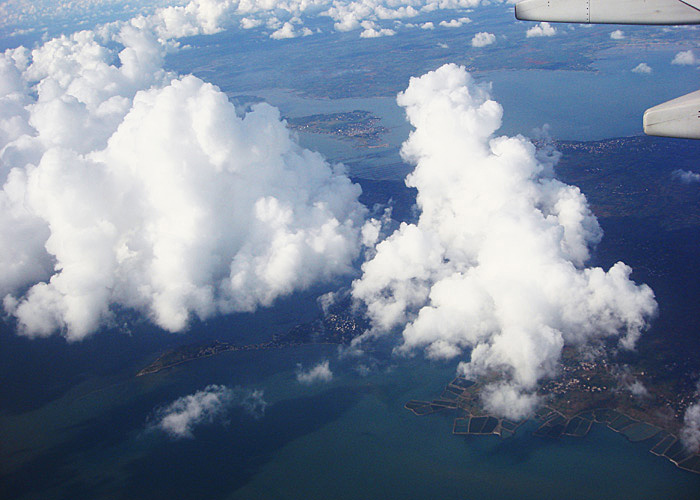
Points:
[(335, 328)]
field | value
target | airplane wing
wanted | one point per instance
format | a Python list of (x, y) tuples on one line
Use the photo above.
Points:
[(676, 118), (610, 11)]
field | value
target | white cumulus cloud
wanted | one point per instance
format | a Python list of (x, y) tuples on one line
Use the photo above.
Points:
[(287, 31), (642, 69), (124, 186), (248, 23), (376, 33), (370, 29), (483, 39), (617, 35), (685, 58), (319, 373), (455, 23), (496, 263), (541, 29), (179, 418)]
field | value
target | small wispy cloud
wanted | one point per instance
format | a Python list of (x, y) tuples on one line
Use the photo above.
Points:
[(319, 373), (685, 176), (179, 418)]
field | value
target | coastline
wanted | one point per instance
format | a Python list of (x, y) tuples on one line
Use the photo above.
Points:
[(473, 420)]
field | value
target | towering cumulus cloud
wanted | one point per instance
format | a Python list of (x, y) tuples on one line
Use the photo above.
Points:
[(125, 186), (496, 262)]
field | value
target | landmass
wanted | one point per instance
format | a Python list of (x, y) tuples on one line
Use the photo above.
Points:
[(632, 177), (358, 125), (334, 328), (588, 390)]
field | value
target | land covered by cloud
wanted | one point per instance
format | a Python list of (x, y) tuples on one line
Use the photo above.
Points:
[(126, 186), (495, 268), (179, 418), (283, 19), (33, 12)]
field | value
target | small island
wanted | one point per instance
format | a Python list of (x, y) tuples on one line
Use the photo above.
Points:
[(360, 126)]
